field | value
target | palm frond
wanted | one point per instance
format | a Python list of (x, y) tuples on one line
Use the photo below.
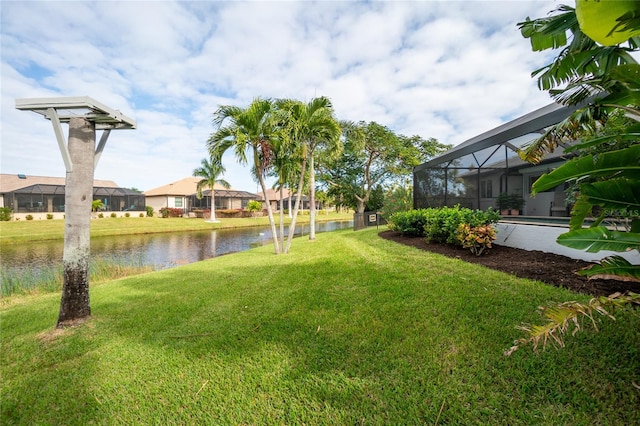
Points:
[(566, 316)]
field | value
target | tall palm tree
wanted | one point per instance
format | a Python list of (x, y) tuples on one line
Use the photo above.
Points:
[(209, 171), (312, 126), (248, 130)]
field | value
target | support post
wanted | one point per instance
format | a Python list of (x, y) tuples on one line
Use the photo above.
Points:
[(74, 305), (57, 129)]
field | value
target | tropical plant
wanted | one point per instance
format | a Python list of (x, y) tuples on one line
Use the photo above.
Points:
[(476, 238), (97, 205), (209, 171), (251, 129), (607, 179), (254, 206), (149, 210), (310, 127)]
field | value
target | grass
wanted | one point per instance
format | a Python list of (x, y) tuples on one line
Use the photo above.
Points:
[(25, 231), (50, 279), (348, 329)]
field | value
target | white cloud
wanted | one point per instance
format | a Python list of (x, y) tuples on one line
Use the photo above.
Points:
[(448, 70)]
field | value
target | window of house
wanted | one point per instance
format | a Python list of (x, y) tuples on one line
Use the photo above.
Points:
[(178, 202), (486, 189)]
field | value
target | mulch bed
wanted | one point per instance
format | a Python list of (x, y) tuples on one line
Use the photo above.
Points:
[(549, 268)]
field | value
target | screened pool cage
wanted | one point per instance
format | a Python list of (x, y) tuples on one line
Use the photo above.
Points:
[(43, 198), (474, 173)]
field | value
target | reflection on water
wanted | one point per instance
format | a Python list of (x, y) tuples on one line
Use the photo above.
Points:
[(160, 251)]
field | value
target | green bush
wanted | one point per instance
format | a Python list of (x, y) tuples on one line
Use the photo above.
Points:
[(442, 223), (49, 216), (409, 222), (149, 210), (141, 215), (114, 215), (5, 214), (29, 217), (101, 215), (127, 214), (399, 199)]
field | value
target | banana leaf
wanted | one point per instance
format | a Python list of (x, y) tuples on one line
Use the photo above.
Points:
[(613, 268), (613, 194), (600, 238), (621, 163)]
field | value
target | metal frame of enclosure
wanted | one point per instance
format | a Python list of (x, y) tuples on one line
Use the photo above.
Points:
[(476, 171)]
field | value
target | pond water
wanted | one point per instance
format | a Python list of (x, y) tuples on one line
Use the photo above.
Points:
[(159, 251)]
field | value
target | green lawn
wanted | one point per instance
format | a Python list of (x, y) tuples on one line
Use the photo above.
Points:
[(34, 230), (348, 329)]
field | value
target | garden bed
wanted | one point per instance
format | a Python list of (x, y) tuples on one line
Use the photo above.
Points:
[(549, 268)]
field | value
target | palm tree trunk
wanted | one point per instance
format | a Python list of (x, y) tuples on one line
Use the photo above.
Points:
[(292, 227), (212, 217), (74, 304), (281, 217), (272, 222), (312, 200)]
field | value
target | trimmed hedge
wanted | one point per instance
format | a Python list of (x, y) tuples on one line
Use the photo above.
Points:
[(440, 224)]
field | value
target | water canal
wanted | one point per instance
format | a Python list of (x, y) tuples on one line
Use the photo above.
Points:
[(160, 251)]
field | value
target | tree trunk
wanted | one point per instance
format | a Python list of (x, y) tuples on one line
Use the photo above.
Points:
[(212, 216), (312, 199), (74, 304), (272, 222), (292, 227), (281, 216)]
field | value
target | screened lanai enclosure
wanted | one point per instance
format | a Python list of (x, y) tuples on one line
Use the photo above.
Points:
[(40, 198), (474, 173)]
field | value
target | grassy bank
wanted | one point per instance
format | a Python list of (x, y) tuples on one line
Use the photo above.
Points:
[(349, 329), (21, 231)]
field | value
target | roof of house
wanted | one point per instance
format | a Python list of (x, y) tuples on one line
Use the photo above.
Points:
[(531, 123), (184, 187), (13, 182), (274, 194)]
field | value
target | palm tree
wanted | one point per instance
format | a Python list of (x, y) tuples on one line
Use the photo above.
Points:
[(251, 129), (312, 126), (209, 172)]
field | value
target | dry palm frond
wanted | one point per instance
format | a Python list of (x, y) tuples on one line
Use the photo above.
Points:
[(561, 318)]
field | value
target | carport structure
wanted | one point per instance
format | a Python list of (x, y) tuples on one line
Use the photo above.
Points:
[(84, 116), (476, 171)]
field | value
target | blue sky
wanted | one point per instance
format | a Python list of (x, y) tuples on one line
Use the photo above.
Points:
[(448, 70)]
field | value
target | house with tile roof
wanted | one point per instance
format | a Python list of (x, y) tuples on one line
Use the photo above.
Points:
[(181, 194)]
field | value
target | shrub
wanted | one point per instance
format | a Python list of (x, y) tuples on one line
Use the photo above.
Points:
[(49, 216), (5, 214), (442, 223), (170, 212), (29, 217), (409, 222), (149, 210), (476, 238), (114, 214), (127, 214), (141, 215), (101, 215)]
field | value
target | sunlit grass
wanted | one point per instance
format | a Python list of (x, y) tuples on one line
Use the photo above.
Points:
[(349, 329)]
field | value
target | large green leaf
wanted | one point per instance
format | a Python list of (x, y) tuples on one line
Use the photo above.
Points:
[(617, 194), (600, 238), (613, 267), (622, 163)]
